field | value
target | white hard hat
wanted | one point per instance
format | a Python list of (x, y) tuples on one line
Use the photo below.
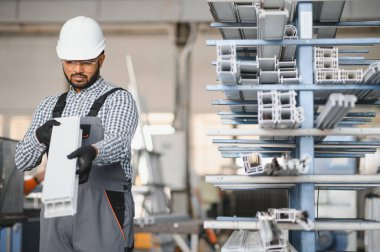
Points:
[(81, 38)]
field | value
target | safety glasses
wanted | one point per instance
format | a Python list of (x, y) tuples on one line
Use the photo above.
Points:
[(72, 64)]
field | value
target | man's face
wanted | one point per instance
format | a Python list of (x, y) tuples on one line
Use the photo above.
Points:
[(82, 73)]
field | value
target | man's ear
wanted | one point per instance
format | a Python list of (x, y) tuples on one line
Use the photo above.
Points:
[(101, 59)]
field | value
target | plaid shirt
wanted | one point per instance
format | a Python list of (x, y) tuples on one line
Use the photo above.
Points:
[(118, 116)]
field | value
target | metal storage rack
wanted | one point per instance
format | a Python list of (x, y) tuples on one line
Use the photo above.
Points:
[(237, 30)]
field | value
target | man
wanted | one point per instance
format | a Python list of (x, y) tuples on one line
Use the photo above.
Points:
[(105, 208)]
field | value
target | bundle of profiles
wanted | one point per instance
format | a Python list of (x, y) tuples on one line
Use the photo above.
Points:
[(336, 108), (326, 68), (253, 165), (278, 110)]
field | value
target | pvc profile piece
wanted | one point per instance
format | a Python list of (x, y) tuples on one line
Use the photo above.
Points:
[(274, 4), (252, 164), (267, 99), (326, 68), (336, 108), (372, 74), (327, 76), (288, 52), (351, 76), (267, 64), (244, 241), (283, 214), (267, 117), (271, 236), (325, 52), (226, 52), (271, 23), (278, 110), (287, 98), (269, 77), (60, 191), (292, 215), (326, 63), (227, 71)]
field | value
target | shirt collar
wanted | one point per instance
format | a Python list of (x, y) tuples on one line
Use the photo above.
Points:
[(94, 86)]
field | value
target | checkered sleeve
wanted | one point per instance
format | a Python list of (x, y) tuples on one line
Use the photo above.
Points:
[(29, 150), (120, 125)]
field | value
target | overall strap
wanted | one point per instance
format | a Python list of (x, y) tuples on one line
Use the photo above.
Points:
[(60, 106), (98, 103)]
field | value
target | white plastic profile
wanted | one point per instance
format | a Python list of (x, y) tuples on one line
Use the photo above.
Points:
[(336, 108), (271, 236), (326, 68), (278, 110), (226, 52), (227, 71), (326, 76), (288, 52), (372, 74), (243, 241), (351, 76), (283, 214), (252, 164), (59, 194), (271, 25)]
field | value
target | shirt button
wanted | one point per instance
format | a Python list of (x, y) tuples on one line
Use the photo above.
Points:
[(125, 187)]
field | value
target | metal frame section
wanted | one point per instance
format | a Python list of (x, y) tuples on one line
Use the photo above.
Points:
[(341, 24), (291, 144), (299, 42), (319, 224), (296, 132), (221, 180), (300, 87), (316, 104)]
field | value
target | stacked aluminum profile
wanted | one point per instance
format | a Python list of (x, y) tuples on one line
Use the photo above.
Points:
[(326, 68), (278, 110), (336, 108)]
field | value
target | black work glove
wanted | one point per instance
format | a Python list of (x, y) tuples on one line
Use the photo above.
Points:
[(85, 157), (43, 133)]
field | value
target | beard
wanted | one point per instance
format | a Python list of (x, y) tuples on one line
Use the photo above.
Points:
[(89, 83)]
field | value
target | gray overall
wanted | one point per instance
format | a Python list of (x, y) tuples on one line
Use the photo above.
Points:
[(105, 208)]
